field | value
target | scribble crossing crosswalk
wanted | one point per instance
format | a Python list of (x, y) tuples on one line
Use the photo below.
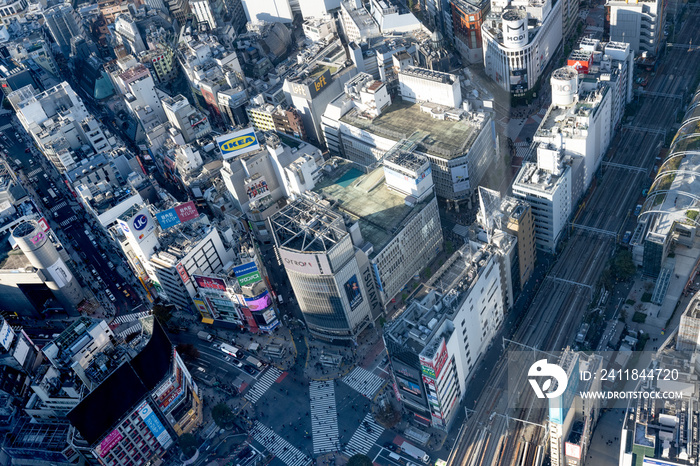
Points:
[(262, 385), (364, 381), (324, 417), (129, 317), (283, 450), (68, 221), (364, 437), (59, 206)]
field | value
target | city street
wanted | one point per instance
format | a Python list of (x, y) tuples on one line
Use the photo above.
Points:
[(66, 216)]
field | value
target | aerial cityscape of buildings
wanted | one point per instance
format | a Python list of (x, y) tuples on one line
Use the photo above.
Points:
[(390, 232)]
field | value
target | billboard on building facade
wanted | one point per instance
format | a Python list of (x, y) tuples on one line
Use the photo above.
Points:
[(109, 442), (259, 302), (7, 335), (312, 264), (237, 143), (353, 292), (182, 272), (460, 177), (408, 386), (257, 188), (211, 283), (139, 226), (43, 224), (311, 90), (247, 273), (154, 425), (179, 214)]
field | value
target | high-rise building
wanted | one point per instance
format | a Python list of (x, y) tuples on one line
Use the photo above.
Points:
[(318, 254), (42, 254), (514, 56), (688, 338), (638, 23), (435, 343), (143, 398), (63, 23)]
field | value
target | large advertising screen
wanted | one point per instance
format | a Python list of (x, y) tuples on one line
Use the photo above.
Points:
[(211, 283), (154, 425), (353, 292), (460, 177), (247, 273), (260, 302), (139, 226), (408, 386), (237, 143), (312, 264)]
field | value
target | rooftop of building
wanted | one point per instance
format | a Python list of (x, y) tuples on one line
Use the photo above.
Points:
[(571, 120), (178, 241), (309, 225), (429, 75), (673, 196), (448, 288), (29, 436), (668, 428), (445, 138), (366, 198), (537, 179), (129, 383)]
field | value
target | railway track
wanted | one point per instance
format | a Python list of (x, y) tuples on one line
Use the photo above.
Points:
[(489, 438)]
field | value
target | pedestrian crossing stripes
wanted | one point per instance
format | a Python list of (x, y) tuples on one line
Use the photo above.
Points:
[(324, 418), (129, 317), (364, 437), (364, 382), (282, 449), (133, 329), (59, 206), (261, 386), (68, 221), (36, 171)]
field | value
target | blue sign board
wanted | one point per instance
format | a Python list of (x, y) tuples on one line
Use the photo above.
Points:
[(245, 269), (167, 218)]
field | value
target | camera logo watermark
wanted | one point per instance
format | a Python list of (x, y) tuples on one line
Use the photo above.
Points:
[(547, 373)]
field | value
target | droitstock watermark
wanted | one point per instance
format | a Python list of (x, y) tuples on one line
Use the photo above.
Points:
[(555, 381)]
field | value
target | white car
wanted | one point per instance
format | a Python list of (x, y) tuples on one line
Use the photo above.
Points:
[(227, 358)]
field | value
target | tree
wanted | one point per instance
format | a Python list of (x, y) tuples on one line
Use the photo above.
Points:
[(359, 460), (188, 444), (222, 415), (188, 351), (622, 266), (162, 313)]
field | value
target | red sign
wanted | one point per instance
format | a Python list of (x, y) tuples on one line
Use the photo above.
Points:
[(183, 273), (186, 211), (441, 359), (210, 282), (581, 66), (44, 224)]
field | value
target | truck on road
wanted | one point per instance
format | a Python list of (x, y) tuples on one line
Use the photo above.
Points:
[(205, 336), (254, 362), (51, 193), (415, 452)]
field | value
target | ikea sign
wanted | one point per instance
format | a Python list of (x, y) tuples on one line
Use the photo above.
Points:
[(238, 143)]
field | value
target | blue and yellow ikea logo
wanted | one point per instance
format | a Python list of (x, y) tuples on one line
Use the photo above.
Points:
[(238, 143)]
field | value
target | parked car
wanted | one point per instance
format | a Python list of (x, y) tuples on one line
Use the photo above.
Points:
[(250, 369)]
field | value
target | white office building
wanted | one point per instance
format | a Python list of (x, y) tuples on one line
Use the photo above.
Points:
[(435, 344), (640, 23), (423, 85), (546, 186)]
